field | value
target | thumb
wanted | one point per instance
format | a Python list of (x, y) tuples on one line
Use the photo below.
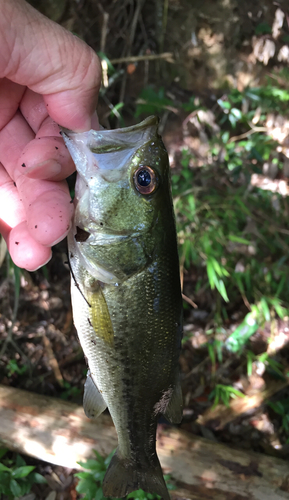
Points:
[(40, 54)]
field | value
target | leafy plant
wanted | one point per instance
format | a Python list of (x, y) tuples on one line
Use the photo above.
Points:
[(215, 350), (152, 101), (282, 409), (13, 367), (223, 393), (17, 478), (226, 226), (69, 391), (270, 363)]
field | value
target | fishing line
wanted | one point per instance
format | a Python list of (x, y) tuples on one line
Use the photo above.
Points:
[(75, 282)]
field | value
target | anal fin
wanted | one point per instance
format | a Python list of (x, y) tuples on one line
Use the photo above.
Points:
[(93, 402), (174, 410)]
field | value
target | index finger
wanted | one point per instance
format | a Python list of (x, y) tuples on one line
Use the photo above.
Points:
[(45, 156)]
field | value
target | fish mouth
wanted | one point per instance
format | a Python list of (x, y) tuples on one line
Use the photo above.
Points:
[(126, 135), (92, 237), (108, 150)]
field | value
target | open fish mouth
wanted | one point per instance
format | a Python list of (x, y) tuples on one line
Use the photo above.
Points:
[(109, 149), (96, 237)]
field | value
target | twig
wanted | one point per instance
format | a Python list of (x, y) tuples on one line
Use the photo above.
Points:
[(189, 301), (164, 23), (52, 360), (104, 27), (246, 134), (168, 56), (246, 302), (138, 9), (161, 106)]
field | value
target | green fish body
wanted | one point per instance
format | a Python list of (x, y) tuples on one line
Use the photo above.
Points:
[(126, 294)]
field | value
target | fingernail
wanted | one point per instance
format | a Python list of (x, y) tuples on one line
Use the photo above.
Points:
[(44, 170)]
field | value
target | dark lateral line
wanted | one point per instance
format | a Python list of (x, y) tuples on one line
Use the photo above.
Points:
[(76, 284)]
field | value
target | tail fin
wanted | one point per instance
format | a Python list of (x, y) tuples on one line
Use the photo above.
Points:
[(124, 476)]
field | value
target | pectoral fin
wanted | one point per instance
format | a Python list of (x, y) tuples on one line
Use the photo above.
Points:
[(93, 402), (174, 410)]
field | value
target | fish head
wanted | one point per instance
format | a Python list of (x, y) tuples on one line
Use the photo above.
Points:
[(122, 188)]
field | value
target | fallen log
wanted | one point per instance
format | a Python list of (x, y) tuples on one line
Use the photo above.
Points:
[(58, 432)]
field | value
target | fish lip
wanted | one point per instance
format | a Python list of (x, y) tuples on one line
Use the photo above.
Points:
[(107, 153), (148, 122), (96, 237)]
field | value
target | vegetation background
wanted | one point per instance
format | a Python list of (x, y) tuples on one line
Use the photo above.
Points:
[(216, 72)]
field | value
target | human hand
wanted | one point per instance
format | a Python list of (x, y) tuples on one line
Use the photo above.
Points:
[(47, 77)]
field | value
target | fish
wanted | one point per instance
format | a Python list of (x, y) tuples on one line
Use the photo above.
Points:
[(126, 295)]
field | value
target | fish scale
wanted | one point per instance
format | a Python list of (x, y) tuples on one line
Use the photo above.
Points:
[(126, 295)]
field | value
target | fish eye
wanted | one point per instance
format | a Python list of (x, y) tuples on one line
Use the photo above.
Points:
[(145, 180)]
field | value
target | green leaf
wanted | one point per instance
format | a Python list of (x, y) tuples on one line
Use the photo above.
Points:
[(238, 239), (277, 407), (3, 452), (211, 274), (224, 104), (91, 465), (83, 475), (37, 478), (108, 458), (265, 309), (4, 468), (211, 354), (19, 461), (23, 471), (15, 488), (222, 290), (100, 459), (242, 333), (87, 486), (235, 393), (225, 137), (99, 494), (237, 113), (263, 29)]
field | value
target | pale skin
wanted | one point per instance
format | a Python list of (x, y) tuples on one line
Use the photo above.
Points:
[(47, 77)]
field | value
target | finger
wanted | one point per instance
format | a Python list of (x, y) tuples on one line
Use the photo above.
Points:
[(47, 204), (11, 208), (24, 250), (51, 61), (13, 139), (33, 109), (10, 96), (45, 157), (49, 214)]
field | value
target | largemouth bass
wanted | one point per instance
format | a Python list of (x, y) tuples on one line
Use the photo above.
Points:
[(126, 295)]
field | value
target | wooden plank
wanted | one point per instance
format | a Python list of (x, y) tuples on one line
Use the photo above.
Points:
[(58, 432)]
